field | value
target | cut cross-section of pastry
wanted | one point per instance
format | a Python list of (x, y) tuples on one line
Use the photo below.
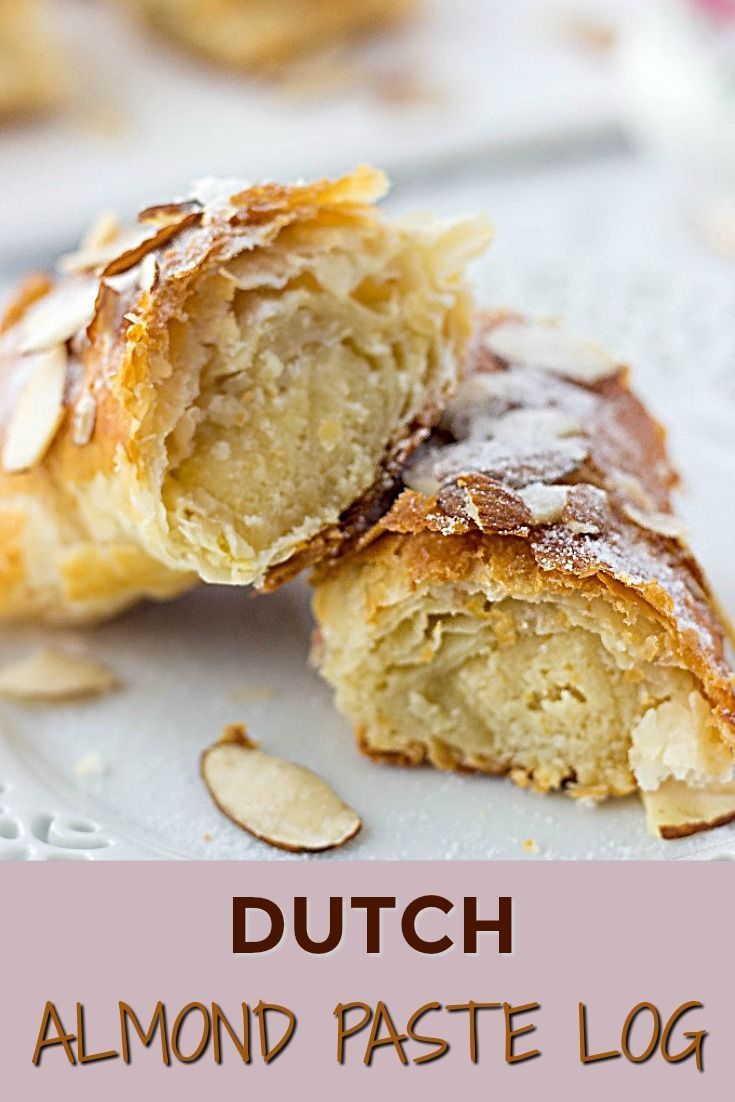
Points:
[(207, 395), (260, 35), (528, 606)]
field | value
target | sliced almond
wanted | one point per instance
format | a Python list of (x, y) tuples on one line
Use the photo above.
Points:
[(99, 245), (549, 347), (275, 800), (106, 228), (169, 214), (59, 315), (676, 810), (132, 254), (631, 488), (83, 420), (663, 524), (147, 272), (49, 675), (38, 413)]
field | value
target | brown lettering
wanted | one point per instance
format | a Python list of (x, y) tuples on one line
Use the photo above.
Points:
[(158, 1021), (502, 925), (408, 924), (261, 1013), (426, 1039), (301, 933), (373, 905), (50, 1015)]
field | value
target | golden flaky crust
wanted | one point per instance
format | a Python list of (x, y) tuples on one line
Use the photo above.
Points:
[(87, 527), (261, 36), (541, 483)]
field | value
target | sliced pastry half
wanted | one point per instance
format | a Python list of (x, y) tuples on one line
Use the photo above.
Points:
[(204, 396), (529, 606)]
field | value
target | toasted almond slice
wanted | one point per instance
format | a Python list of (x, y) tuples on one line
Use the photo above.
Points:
[(97, 246), (549, 347), (96, 254), (275, 800), (49, 675), (663, 524), (132, 256), (38, 412), (630, 488), (106, 227), (676, 810), (59, 315), (169, 214)]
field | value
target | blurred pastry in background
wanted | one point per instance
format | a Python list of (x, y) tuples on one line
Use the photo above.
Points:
[(266, 35), (209, 395), (31, 66)]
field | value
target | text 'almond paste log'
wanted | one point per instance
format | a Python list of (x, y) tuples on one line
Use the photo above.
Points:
[(206, 395), (528, 605)]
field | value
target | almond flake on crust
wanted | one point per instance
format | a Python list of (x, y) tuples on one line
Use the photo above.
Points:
[(59, 315), (147, 272), (38, 412), (631, 488), (97, 258), (545, 503), (83, 419), (277, 801), (49, 675), (676, 810), (420, 475), (98, 245), (663, 524), (549, 347)]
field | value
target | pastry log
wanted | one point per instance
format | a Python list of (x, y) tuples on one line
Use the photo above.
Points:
[(259, 35), (528, 606), (204, 396)]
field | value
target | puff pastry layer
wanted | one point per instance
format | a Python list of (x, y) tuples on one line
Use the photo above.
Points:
[(206, 395), (528, 606)]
